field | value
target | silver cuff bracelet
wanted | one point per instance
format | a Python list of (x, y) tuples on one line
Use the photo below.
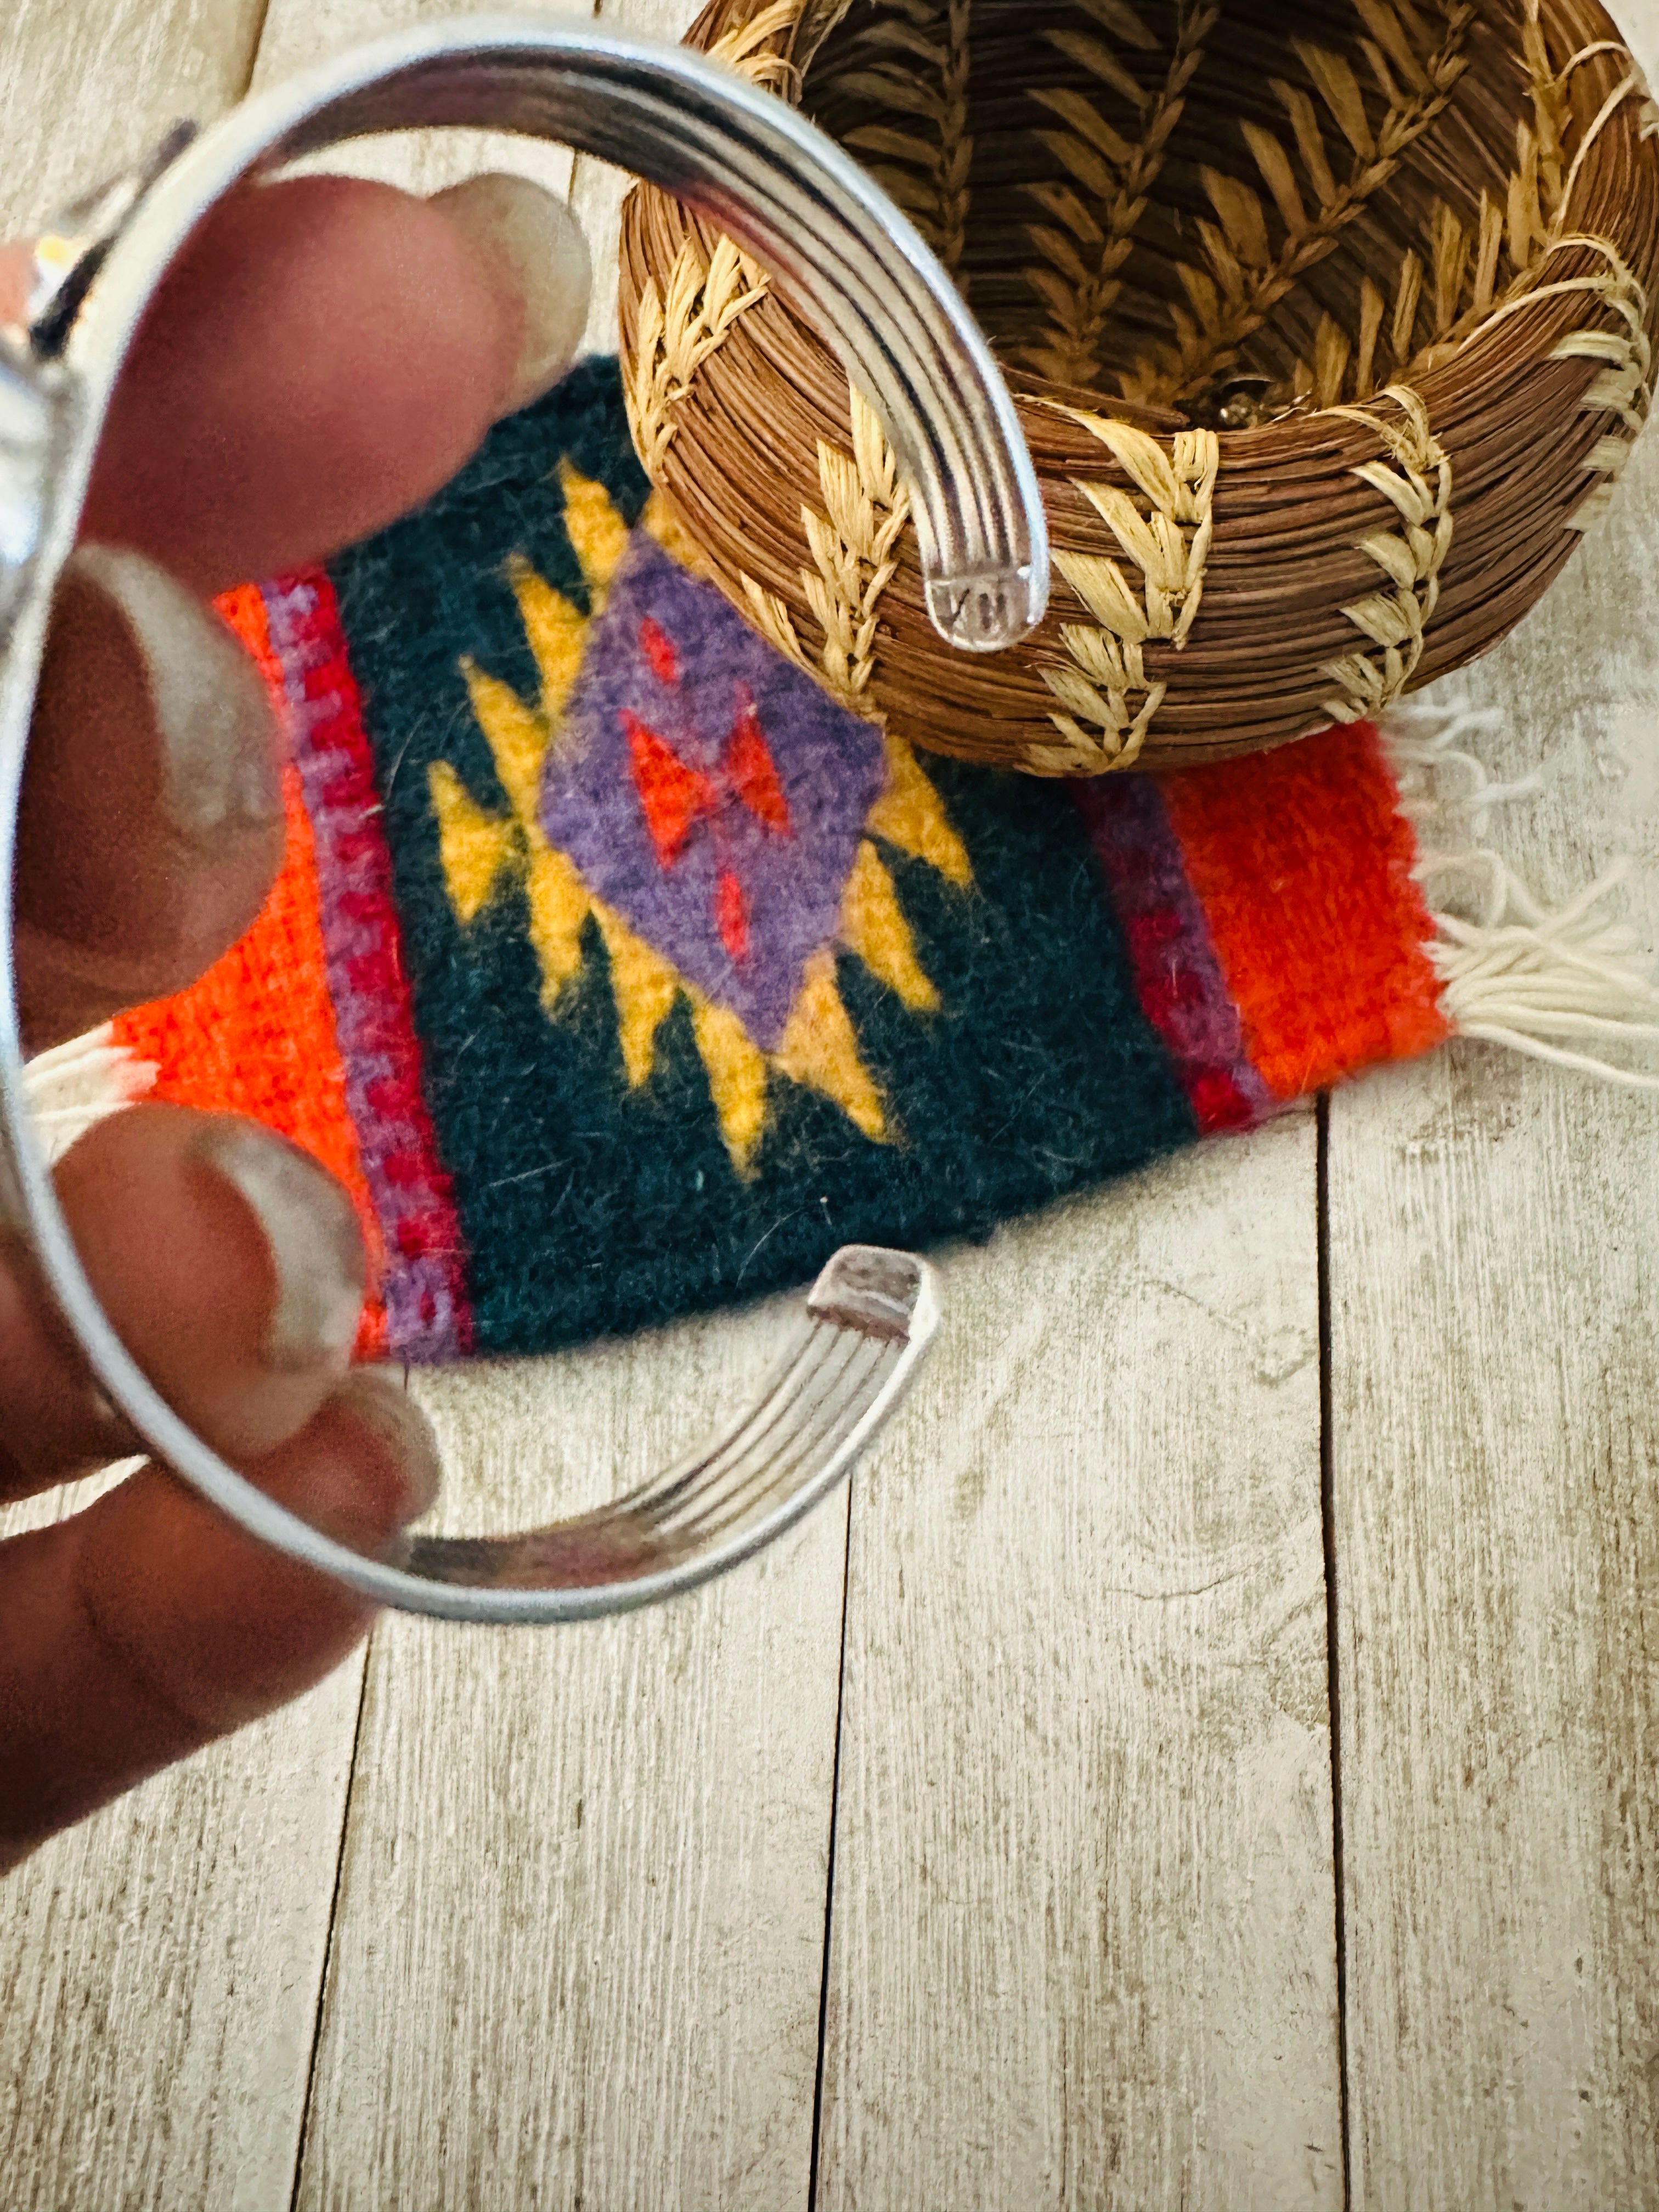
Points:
[(842, 254)]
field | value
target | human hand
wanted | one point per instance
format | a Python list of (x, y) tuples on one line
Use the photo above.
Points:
[(324, 356)]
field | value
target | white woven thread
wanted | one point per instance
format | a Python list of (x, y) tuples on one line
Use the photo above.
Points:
[(1416, 480), (1105, 682), (1425, 745)]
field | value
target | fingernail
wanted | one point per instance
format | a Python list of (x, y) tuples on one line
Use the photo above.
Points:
[(538, 245), (378, 1400), (311, 1232), (219, 756)]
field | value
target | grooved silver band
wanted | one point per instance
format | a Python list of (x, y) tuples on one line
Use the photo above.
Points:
[(837, 248)]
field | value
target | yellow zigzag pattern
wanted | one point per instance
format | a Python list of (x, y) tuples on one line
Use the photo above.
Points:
[(481, 851)]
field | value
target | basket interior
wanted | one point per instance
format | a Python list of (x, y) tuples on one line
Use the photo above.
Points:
[(1230, 209)]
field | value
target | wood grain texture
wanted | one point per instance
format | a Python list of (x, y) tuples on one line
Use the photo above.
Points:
[(159, 1968), (159, 1976), (1494, 1243), (1494, 1234), (577, 1955), (612, 1838), (1082, 1928), (85, 90), (1082, 1948)]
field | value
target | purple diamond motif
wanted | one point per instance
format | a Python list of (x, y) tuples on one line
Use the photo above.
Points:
[(708, 791)]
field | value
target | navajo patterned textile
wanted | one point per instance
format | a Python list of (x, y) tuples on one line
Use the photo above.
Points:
[(620, 971)]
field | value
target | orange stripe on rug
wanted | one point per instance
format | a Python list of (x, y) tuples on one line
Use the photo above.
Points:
[(1303, 863), (231, 1044)]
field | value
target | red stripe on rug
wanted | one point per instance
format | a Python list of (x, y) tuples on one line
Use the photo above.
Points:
[(428, 1306), (1183, 992), (256, 1035), (1302, 860)]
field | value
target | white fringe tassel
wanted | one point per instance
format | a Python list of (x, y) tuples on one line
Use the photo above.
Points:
[(77, 1083), (1513, 972)]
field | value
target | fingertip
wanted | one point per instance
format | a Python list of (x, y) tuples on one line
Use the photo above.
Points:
[(530, 236), (229, 1261), (17, 276), (324, 356), (223, 1626), (152, 824), (364, 1467)]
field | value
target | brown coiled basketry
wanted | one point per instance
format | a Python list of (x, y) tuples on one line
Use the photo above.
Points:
[(1329, 322)]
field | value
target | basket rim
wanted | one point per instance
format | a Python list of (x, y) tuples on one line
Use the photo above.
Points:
[(1316, 540), (1542, 314)]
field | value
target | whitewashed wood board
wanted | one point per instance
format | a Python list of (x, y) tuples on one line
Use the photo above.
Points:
[(578, 1947), (159, 1976), (1083, 1912), (1494, 1238), (1494, 1243), (648, 1801), (1084, 1921), (86, 89)]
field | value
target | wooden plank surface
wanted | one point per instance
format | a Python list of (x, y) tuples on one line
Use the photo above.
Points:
[(577, 1955), (1494, 1254), (1083, 1917), (159, 1976), (159, 1968), (85, 88), (1494, 1237), (606, 1847), (1083, 1922)]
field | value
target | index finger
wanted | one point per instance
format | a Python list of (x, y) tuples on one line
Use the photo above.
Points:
[(324, 354)]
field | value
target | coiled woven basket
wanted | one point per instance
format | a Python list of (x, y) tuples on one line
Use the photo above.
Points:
[(1329, 322)]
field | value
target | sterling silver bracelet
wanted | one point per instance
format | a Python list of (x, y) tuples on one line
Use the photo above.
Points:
[(843, 255)]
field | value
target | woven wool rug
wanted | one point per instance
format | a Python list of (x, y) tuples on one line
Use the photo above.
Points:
[(620, 972)]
